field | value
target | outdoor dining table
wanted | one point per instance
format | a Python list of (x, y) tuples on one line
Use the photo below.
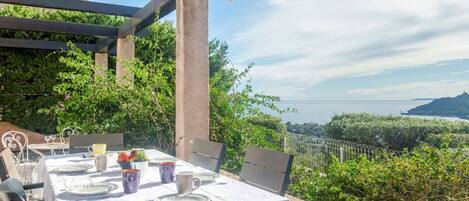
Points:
[(222, 188), (37, 148)]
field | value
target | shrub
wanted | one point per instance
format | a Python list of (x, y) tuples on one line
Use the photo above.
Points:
[(313, 129), (392, 132), (27, 76), (452, 140), (426, 173)]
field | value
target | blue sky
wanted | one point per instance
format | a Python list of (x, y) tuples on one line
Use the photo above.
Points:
[(355, 49)]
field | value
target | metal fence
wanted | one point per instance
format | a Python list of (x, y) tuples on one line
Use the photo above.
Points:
[(316, 152)]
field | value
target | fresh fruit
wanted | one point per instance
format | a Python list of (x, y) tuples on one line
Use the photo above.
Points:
[(133, 153), (140, 156), (123, 157)]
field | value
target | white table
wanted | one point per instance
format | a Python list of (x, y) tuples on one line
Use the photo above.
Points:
[(37, 148), (223, 188)]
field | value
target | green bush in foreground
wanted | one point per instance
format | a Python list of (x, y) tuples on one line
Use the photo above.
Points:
[(426, 173), (392, 132)]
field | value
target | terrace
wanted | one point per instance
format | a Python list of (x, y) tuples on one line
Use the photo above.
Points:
[(43, 163), (192, 105)]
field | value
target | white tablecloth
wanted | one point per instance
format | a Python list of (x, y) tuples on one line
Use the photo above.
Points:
[(223, 188), (48, 146)]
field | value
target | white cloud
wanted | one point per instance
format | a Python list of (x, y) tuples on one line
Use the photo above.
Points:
[(326, 39), (441, 88)]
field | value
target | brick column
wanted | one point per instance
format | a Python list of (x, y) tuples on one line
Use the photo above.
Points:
[(125, 51), (192, 74), (101, 62)]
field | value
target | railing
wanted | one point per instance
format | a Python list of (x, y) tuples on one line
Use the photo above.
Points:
[(311, 151)]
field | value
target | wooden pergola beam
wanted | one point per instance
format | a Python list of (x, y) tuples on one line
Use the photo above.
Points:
[(139, 21), (146, 16), (43, 44), (78, 5), (24, 24)]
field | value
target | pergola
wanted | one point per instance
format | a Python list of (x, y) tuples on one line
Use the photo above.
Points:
[(192, 99)]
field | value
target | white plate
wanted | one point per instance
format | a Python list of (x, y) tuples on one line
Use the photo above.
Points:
[(81, 160), (190, 197), (75, 168), (91, 189)]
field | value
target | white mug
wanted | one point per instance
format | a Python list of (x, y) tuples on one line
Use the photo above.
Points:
[(186, 183), (100, 162)]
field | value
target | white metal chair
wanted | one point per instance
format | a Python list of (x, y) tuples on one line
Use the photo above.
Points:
[(67, 132), (17, 141)]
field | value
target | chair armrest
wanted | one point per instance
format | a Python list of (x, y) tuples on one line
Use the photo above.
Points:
[(33, 186)]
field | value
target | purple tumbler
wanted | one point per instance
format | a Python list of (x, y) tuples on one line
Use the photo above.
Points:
[(130, 180), (167, 172)]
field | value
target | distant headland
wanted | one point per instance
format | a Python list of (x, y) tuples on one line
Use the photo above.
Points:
[(445, 107)]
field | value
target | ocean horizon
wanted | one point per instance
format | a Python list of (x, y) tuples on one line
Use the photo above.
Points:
[(321, 111)]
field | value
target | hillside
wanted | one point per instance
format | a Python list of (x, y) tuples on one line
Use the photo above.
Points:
[(445, 107)]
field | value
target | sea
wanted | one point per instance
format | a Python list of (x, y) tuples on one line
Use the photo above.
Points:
[(321, 111)]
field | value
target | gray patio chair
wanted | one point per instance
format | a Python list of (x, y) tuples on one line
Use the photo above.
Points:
[(267, 169), (13, 190), (80, 143), (208, 155)]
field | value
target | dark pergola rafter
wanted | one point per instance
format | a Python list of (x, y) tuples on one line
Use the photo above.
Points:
[(43, 44), (48, 26), (78, 5), (139, 19)]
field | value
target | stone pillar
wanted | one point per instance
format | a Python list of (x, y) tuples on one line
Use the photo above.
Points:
[(101, 62), (125, 52), (192, 74)]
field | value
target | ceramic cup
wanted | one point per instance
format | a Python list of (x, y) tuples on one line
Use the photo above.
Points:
[(167, 172), (130, 180), (186, 183), (142, 166), (96, 149), (100, 162)]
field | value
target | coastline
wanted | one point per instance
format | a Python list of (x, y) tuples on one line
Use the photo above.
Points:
[(447, 118)]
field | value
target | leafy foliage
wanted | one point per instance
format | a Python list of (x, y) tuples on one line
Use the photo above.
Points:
[(392, 132), (314, 129), (27, 76), (452, 140), (426, 173), (235, 115), (143, 111)]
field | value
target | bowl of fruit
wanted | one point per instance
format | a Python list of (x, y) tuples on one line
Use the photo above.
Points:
[(123, 159)]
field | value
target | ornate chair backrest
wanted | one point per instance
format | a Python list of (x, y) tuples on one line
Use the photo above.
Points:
[(67, 132), (17, 141)]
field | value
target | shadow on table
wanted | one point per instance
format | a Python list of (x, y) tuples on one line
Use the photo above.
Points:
[(150, 185), (112, 173), (69, 196), (110, 180)]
